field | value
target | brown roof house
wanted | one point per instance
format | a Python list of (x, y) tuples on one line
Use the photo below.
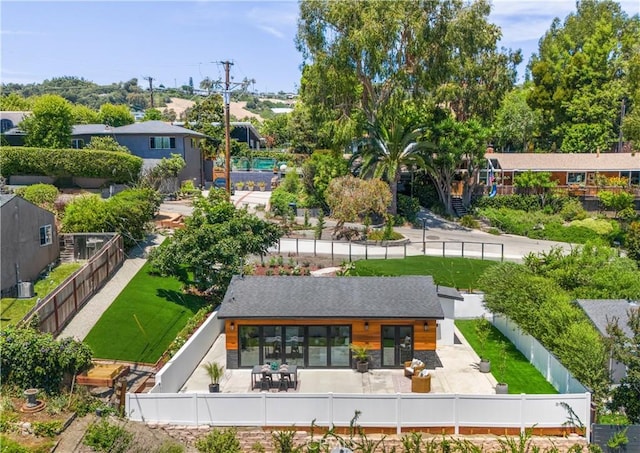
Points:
[(312, 321)]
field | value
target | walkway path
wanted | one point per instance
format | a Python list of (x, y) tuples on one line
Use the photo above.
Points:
[(83, 322)]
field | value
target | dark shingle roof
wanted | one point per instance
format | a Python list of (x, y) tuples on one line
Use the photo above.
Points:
[(601, 311), (331, 297), (155, 127)]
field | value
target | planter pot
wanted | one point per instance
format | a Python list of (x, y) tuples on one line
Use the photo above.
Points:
[(362, 367), (484, 366), (502, 389), (214, 388)]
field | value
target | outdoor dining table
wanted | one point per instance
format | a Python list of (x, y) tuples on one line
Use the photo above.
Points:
[(257, 370)]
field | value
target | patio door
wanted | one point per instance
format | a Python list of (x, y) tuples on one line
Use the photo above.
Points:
[(397, 345)]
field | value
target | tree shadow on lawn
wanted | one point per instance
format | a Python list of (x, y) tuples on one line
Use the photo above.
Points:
[(189, 301)]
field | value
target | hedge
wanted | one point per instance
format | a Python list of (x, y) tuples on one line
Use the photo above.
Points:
[(60, 163)]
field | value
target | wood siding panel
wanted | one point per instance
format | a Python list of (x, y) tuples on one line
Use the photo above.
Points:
[(371, 336)]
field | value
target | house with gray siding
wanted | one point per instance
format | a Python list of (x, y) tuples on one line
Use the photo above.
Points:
[(29, 242), (152, 141), (601, 312)]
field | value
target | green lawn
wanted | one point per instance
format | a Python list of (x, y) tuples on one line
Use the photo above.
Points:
[(521, 376), (144, 319), (461, 273), (13, 310)]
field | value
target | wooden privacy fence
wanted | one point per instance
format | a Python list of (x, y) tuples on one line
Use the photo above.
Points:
[(59, 307)]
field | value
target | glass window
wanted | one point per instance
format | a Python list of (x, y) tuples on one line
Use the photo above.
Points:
[(318, 348), (339, 338), (576, 178), (634, 178), (162, 142), (46, 235), (77, 143), (249, 339)]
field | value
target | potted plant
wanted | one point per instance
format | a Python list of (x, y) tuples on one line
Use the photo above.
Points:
[(361, 355), (239, 185), (502, 387), (483, 329), (251, 185), (214, 371), (262, 185)]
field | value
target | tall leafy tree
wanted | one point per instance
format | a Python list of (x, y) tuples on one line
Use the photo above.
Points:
[(50, 123), (85, 115), (358, 54), (392, 144), (582, 73), (13, 102), (115, 115), (516, 122), (201, 117), (214, 242), (455, 150)]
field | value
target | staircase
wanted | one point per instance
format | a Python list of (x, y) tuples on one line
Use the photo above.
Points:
[(458, 206), (67, 248)]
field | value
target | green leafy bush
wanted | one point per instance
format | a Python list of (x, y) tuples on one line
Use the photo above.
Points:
[(572, 210), (280, 200), (517, 202), (32, 359), (469, 221), (65, 163), (128, 213), (47, 429), (107, 437), (219, 440), (408, 207), (43, 195)]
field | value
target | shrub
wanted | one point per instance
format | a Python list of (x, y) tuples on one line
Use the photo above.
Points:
[(516, 202), (107, 437), (469, 221), (408, 207), (43, 195), (65, 163), (280, 200), (572, 210), (219, 440), (47, 429), (32, 359)]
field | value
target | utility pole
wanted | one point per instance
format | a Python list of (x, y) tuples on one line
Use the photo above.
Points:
[(622, 113), (227, 127), (150, 79)]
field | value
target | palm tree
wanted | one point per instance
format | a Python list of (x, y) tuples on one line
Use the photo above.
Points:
[(390, 146)]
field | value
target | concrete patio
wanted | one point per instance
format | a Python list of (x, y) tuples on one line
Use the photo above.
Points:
[(459, 374)]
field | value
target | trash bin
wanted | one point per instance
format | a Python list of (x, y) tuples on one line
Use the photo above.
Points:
[(293, 207)]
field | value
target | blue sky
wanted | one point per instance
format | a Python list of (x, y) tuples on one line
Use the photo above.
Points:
[(107, 42)]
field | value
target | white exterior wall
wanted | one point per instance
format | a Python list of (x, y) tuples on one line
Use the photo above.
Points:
[(176, 371)]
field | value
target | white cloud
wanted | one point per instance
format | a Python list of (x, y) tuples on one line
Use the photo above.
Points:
[(271, 31), (278, 19), (18, 32)]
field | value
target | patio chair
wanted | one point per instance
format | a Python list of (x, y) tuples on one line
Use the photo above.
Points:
[(285, 381), (266, 382), (413, 367)]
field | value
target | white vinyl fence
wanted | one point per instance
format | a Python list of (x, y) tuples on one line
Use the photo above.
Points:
[(176, 371), (400, 410), (543, 360)]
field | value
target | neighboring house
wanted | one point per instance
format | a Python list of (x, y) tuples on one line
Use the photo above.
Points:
[(603, 311), (311, 321), (29, 241), (151, 140), (572, 171), (245, 132), (9, 130)]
